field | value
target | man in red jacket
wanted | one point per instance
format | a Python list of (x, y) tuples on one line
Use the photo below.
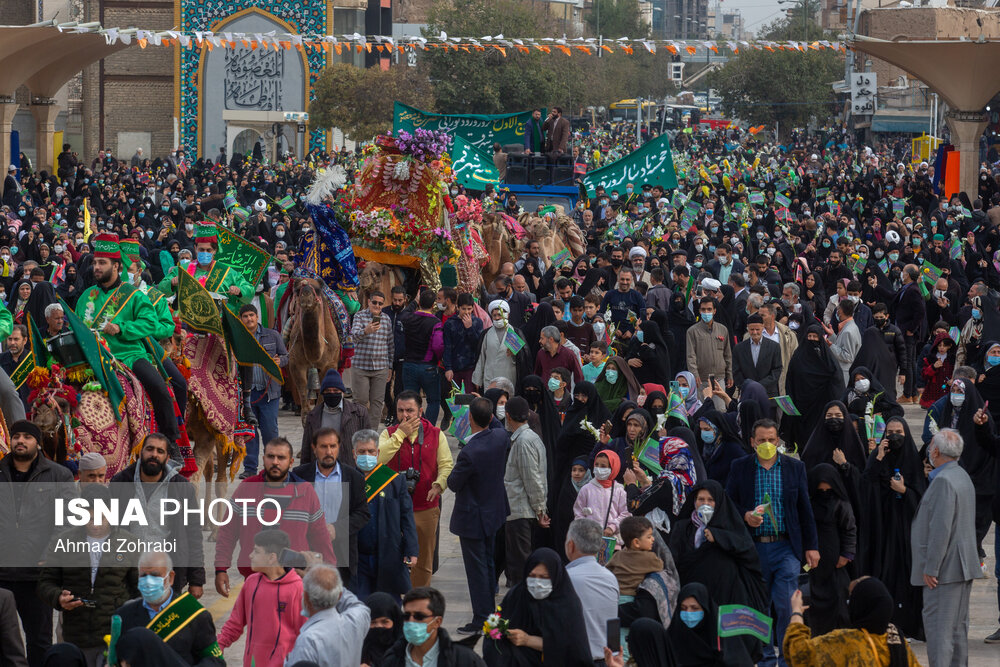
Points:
[(301, 515)]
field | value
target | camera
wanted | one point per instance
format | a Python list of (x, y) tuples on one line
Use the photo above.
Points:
[(412, 477)]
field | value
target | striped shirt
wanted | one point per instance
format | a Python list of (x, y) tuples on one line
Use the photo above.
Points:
[(769, 482), (374, 351)]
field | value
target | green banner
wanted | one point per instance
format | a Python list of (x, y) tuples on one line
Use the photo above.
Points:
[(235, 251), (195, 305), (653, 163), (37, 355), (473, 168), (480, 130), (735, 620), (244, 344), (99, 359)]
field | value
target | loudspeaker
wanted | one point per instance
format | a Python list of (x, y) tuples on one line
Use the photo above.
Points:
[(517, 175), (540, 175), (562, 174)]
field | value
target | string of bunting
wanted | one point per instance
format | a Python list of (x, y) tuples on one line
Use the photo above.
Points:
[(385, 44)]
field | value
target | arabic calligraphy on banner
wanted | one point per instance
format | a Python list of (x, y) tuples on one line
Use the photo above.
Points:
[(253, 79), (653, 163), (480, 130), (473, 168), (864, 88), (241, 255)]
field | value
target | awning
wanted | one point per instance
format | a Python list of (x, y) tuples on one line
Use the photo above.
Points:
[(901, 121)]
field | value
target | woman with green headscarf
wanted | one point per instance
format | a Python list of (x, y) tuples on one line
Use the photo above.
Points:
[(616, 382)]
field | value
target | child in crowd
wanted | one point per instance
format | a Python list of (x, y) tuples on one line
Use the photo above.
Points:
[(602, 499)]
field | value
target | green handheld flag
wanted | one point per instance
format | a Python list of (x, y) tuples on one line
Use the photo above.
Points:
[(735, 619), (769, 511)]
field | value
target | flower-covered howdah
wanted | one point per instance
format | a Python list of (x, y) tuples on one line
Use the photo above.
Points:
[(397, 230), (423, 145)]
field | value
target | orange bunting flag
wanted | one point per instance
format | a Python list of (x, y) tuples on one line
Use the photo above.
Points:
[(564, 49), (380, 48), (522, 49), (672, 49), (714, 48), (368, 47), (585, 49), (479, 47), (691, 49), (401, 48), (338, 48), (606, 48), (358, 47), (142, 43), (501, 49)]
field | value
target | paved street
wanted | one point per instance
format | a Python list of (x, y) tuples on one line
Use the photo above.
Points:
[(450, 578)]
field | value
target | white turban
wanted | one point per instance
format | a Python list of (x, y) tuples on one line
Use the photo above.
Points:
[(502, 305)]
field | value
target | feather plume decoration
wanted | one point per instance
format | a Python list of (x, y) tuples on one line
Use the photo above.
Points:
[(327, 182)]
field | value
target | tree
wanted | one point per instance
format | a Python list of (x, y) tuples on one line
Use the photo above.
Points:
[(785, 87), (616, 18), (359, 100)]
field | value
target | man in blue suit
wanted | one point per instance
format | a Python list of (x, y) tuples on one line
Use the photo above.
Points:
[(784, 533), (480, 507)]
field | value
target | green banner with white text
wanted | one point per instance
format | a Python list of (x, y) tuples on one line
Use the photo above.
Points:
[(473, 168), (653, 163), (480, 130)]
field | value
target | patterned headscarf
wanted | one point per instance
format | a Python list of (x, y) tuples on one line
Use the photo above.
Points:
[(677, 469)]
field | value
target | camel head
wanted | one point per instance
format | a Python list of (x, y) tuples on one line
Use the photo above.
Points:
[(48, 417), (309, 296)]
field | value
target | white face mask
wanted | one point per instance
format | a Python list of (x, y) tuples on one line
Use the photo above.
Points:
[(539, 588), (499, 324), (501, 411), (602, 473), (862, 386)]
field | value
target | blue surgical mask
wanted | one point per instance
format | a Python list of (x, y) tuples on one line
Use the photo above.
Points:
[(205, 258), (367, 462), (639, 335), (957, 399), (708, 436), (553, 384), (977, 314), (684, 391), (152, 588), (611, 375), (993, 361), (149, 233), (415, 633), (692, 618), (707, 317)]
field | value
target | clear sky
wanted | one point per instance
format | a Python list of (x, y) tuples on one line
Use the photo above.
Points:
[(756, 13)]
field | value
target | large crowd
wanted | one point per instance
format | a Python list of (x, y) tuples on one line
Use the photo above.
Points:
[(705, 409)]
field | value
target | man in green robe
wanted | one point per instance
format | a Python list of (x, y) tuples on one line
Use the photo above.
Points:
[(214, 276), (122, 314), (164, 319)]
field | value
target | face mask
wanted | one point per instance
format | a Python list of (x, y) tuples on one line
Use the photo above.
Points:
[(684, 391), (415, 633), (58, 247), (602, 473), (57, 216), (614, 196), (698, 264), (977, 314), (708, 436), (711, 248), (554, 384), (22, 212), (189, 228), (957, 399), (499, 324), (699, 246), (705, 513), (939, 293), (993, 361), (639, 335), (141, 215), (280, 233), (332, 400), (205, 258), (612, 375), (760, 235), (692, 618), (835, 424), (862, 386), (766, 451), (152, 588), (367, 462), (707, 317), (895, 441), (539, 588), (893, 256), (501, 411)]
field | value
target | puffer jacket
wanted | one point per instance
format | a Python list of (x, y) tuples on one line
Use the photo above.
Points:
[(461, 344)]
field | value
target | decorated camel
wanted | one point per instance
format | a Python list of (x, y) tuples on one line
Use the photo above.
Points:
[(313, 341), (506, 238)]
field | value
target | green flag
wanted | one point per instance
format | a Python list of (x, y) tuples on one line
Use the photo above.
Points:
[(285, 203), (37, 355), (195, 305), (244, 344), (480, 130), (99, 358), (653, 163), (736, 620), (473, 168), (235, 251)]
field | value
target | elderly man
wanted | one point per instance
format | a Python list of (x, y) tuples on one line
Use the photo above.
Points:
[(757, 358), (780, 334), (374, 350), (179, 620), (553, 354), (387, 543), (945, 555), (637, 258), (521, 286), (93, 469), (594, 584), (55, 320), (337, 625)]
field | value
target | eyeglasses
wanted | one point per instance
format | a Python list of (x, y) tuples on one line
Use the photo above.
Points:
[(377, 303), (416, 616)]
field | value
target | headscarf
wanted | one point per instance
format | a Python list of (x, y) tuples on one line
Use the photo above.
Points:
[(870, 608), (677, 469), (699, 645), (41, 297), (822, 442), (652, 351), (754, 404), (691, 402), (587, 476), (593, 410), (619, 419), (688, 436), (557, 619), (380, 640), (141, 647), (64, 655), (876, 356), (613, 394), (14, 299), (494, 395), (616, 466), (649, 644), (541, 318), (541, 401)]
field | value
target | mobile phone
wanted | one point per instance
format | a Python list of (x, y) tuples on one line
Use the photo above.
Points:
[(614, 638), (711, 381), (464, 399), (291, 558)]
